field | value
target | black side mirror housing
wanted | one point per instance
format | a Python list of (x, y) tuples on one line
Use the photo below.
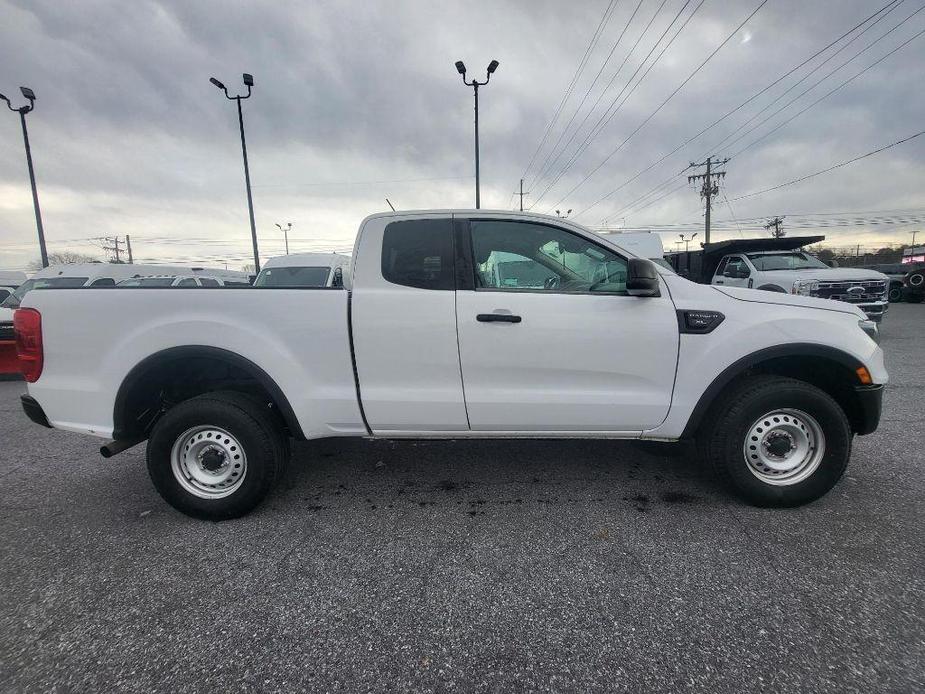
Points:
[(338, 279), (642, 278)]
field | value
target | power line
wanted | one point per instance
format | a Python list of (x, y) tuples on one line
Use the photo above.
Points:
[(610, 112), (818, 82), (736, 109), (725, 142), (830, 92), (831, 168), (667, 99), (608, 11), (544, 168)]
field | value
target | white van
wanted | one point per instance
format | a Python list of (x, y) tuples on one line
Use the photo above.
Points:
[(304, 270), (74, 275), (645, 244)]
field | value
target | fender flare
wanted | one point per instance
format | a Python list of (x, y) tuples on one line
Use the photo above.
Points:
[(740, 366), (120, 430), (772, 288)]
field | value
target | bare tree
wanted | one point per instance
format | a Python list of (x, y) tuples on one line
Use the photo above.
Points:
[(63, 258)]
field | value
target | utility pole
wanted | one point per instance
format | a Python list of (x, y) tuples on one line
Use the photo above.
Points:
[(777, 225), (521, 194), (114, 248), (709, 189), (128, 247)]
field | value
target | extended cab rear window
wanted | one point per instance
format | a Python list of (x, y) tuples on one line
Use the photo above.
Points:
[(419, 253)]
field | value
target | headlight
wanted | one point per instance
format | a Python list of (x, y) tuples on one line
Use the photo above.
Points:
[(871, 328), (805, 287)]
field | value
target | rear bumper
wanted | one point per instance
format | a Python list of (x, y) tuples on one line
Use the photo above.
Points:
[(33, 410), (870, 400)]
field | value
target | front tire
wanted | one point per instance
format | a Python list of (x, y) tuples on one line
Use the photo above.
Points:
[(777, 441), (216, 456)]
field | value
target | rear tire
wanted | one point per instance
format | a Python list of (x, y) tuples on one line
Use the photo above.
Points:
[(896, 293), (777, 441), (216, 456)]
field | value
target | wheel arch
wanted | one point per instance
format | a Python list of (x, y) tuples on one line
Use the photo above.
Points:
[(167, 368), (772, 288), (828, 368)]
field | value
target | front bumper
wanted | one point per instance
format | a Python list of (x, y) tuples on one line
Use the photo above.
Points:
[(870, 404), (33, 410)]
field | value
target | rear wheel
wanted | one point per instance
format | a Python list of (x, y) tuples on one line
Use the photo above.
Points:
[(896, 293), (216, 456), (777, 441)]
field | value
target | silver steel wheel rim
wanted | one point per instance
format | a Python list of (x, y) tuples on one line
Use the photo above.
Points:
[(916, 280), (208, 462), (784, 447)]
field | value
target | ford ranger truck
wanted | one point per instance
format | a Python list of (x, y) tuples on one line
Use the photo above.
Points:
[(452, 325)]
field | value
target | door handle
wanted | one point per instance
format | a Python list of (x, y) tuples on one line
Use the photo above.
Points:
[(497, 318)]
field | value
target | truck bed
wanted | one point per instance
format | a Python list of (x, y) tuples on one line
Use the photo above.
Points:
[(94, 337)]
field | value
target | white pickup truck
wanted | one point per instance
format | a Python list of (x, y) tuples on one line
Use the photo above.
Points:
[(457, 324), (797, 272)]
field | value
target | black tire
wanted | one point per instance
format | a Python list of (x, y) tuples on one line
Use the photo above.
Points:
[(248, 421), (723, 439), (772, 288), (896, 293)]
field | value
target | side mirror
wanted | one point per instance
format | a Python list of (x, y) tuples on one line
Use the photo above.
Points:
[(642, 278)]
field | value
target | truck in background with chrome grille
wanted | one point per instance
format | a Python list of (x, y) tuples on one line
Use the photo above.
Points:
[(780, 265)]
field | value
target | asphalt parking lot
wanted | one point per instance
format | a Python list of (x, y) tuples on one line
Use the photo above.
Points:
[(468, 566)]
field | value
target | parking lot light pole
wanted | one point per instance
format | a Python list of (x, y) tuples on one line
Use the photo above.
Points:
[(22, 111), (475, 84), (285, 230), (687, 241), (248, 82)]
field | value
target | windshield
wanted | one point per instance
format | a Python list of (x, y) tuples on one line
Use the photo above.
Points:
[(14, 299), (148, 282), (293, 277), (785, 261)]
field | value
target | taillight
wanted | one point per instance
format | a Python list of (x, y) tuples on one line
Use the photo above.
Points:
[(27, 325)]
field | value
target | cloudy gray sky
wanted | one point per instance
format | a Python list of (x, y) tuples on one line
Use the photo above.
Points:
[(358, 101)]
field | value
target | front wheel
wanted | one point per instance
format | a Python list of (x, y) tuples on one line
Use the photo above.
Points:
[(216, 456), (777, 441), (896, 293)]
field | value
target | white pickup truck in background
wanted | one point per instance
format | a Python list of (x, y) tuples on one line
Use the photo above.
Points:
[(457, 324), (797, 272)]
